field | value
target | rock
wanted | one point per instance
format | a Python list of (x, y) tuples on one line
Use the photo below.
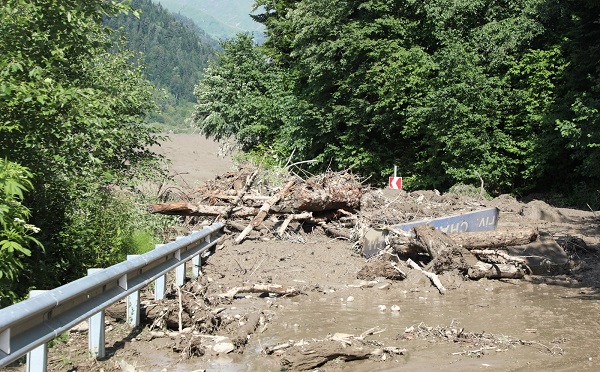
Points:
[(362, 284), (223, 348), (81, 327), (395, 308), (382, 307)]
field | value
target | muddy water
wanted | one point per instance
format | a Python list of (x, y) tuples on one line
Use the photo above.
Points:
[(566, 320)]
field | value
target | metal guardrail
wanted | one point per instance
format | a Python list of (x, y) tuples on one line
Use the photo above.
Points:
[(36, 321)]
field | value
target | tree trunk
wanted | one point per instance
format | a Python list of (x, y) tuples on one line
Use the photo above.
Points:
[(189, 209), (494, 239), (495, 271), (434, 240)]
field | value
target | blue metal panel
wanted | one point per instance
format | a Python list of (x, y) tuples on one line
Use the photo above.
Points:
[(481, 220)]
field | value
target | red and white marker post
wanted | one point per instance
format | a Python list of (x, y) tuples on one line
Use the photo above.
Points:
[(395, 182)]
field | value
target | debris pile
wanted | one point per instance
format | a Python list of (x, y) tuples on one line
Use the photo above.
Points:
[(428, 231)]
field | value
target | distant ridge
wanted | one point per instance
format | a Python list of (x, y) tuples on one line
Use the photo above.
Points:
[(222, 19)]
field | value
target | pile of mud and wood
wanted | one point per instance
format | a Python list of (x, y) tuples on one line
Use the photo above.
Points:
[(338, 204)]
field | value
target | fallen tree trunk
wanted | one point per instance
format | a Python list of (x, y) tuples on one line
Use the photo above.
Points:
[(495, 271), (335, 232), (316, 354), (241, 337), (262, 288), (433, 243), (485, 254), (329, 191), (189, 209), (495, 238), (434, 240)]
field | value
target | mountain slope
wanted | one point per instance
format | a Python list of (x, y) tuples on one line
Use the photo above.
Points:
[(221, 19), (175, 51)]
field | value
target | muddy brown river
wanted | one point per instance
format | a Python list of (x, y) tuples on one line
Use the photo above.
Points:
[(560, 327)]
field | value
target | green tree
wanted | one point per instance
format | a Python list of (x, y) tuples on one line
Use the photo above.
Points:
[(72, 108), (241, 95), (16, 235), (450, 91)]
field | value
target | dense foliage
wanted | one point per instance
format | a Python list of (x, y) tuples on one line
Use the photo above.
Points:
[(449, 91), (16, 235), (72, 109)]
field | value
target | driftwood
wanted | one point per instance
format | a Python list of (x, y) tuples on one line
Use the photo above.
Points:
[(335, 232), (241, 337), (189, 209), (328, 192), (290, 218), (262, 213), (485, 254), (316, 354), (495, 238), (241, 193), (495, 271), (434, 240), (433, 277), (262, 288)]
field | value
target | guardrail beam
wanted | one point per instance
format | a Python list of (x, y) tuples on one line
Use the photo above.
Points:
[(38, 320)]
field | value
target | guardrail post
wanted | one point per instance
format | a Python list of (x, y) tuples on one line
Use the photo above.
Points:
[(180, 270), (160, 284), (37, 359), (133, 304), (196, 264), (96, 337)]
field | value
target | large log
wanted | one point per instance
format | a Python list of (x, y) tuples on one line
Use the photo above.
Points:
[(329, 191), (495, 271), (495, 238), (301, 358), (434, 240), (241, 337), (262, 288), (189, 209), (427, 242)]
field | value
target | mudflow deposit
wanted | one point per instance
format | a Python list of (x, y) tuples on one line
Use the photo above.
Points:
[(310, 274)]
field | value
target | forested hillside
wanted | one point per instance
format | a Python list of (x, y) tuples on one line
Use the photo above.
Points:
[(222, 19), (501, 92), (174, 49)]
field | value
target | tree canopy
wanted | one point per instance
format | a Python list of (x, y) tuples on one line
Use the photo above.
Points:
[(449, 91), (72, 108)]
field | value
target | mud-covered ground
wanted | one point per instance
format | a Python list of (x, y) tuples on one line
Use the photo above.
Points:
[(537, 323)]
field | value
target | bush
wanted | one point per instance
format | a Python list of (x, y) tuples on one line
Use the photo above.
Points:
[(107, 226), (15, 233)]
